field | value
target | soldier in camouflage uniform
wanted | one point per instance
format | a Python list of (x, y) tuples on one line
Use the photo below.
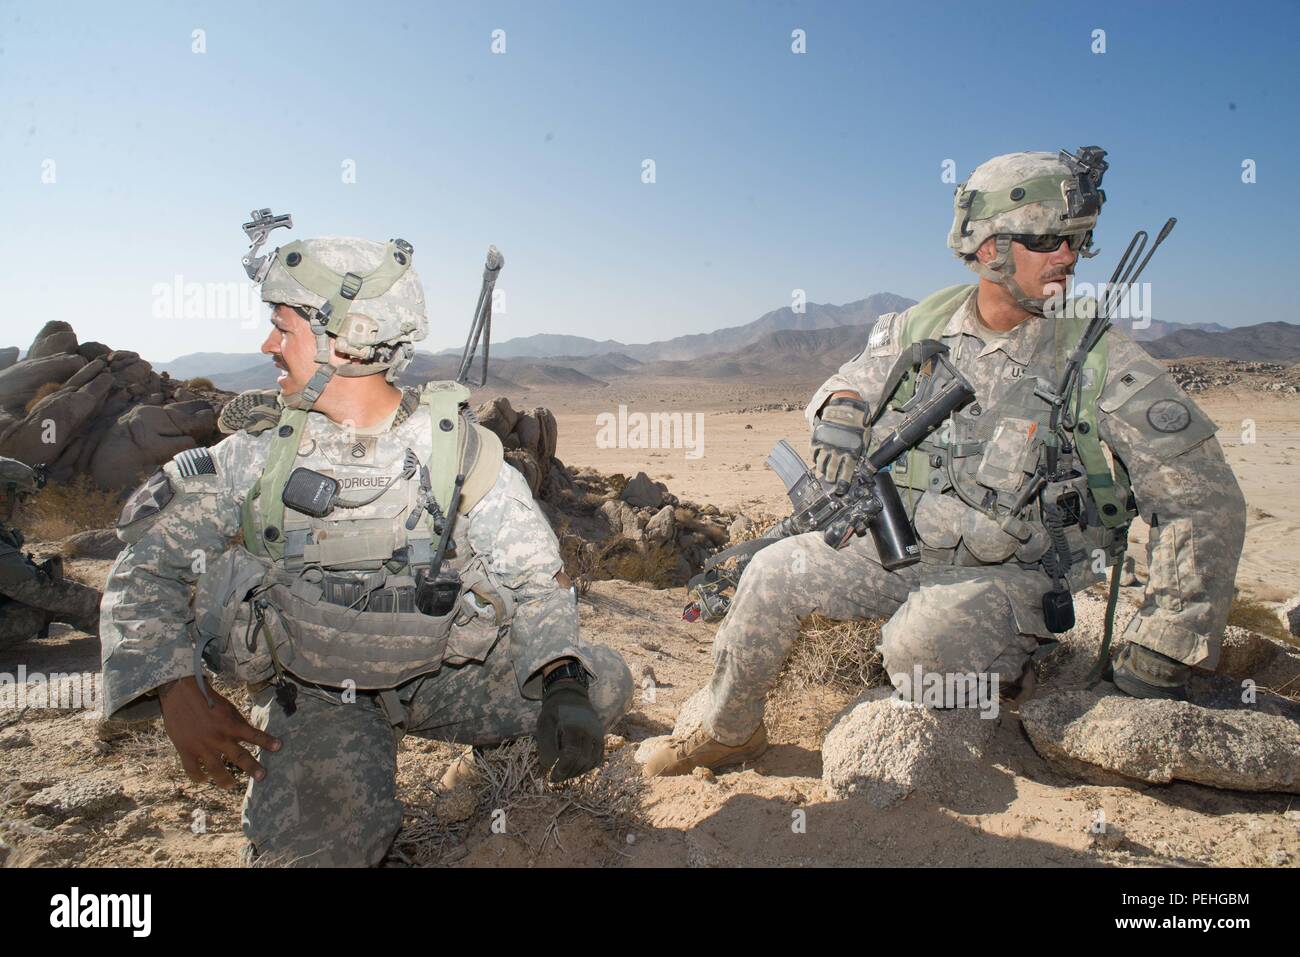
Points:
[(974, 604), (334, 608), (34, 595)]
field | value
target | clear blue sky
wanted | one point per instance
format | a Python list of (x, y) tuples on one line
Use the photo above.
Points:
[(775, 171)]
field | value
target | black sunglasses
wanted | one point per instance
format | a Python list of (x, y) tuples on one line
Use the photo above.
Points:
[(1052, 241)]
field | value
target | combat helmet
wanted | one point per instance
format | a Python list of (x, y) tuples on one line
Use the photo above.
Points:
[(17, 480), (1027, 194), (361, 297)]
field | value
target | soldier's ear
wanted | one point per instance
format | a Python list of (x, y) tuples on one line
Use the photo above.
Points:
[(987, 249)]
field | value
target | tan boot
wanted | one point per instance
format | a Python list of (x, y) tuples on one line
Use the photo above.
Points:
[(698, 750)]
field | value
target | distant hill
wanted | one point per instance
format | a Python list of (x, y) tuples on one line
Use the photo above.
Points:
[(209, 364), (1262, 342), (1158, 328), (815, 316)]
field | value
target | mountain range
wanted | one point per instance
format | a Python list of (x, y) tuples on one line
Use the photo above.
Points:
[(782, 343)]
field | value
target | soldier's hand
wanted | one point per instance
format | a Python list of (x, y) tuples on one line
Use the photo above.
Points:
[(839, 437), (206, 737), (570, 736)]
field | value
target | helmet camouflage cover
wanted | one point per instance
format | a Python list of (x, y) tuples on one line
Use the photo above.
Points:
[(361, 297), (1026, 194)]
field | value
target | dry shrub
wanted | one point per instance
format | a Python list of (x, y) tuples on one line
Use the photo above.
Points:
[(1258, 617), (200, 384), (43, 392), (843, 655), (509, 779), (65, 508), (656, 565)]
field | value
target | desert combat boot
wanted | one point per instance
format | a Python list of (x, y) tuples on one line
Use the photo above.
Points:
[(698, 750)]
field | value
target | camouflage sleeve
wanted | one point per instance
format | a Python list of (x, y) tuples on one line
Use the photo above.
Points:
[(507, 528), (182, 517), (1187, 493), (866, 372)]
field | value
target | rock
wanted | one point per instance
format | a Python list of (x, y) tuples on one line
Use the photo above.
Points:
[(456, 805), (740, 527), (883, 749), (8, 357), (622, 520), (1117, 739), (90, 351), (136, 823), (55, 338), (1247, 655), (14, 740), (98, 543), (1110, 836), (643, 492), (80, 797), (55, 421), (529, 432), (19, 382), (86, 373), (148, 436), (498, 416), (615, 742), (528, 468), (1289, 614), (691, 715), (704, 774), (661, 527)]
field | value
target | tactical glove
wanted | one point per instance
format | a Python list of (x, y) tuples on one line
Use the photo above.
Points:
[(839, 438), (570, 736)]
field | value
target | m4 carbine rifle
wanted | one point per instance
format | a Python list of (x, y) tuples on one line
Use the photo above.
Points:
[(868, 503)]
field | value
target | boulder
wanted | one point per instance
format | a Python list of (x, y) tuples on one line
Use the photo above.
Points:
[(87, 372), (739, 528), (8, 357), (147, 436), (644, 492), (55, 338), (662, 526), (79, 798), (93, 350), (55, 421), (882, 749), (19, 382), (1115, 739), (498, 416)]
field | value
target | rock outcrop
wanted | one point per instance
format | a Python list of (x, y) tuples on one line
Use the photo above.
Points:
[(105, 413)]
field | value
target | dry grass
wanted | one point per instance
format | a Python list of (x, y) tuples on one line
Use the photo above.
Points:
[(843, 655), (65, 508), (43, 392), (508, 781), (655, 565), (200, 384)]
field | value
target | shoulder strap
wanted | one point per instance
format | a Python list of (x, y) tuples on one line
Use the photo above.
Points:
[(465, 448), (263, 523), (1109, 488), (933, 312)]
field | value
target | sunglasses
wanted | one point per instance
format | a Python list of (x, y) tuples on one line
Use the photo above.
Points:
[(1052, 241)]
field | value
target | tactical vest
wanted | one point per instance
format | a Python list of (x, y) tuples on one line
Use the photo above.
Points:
[(976, 466), (330, 599)]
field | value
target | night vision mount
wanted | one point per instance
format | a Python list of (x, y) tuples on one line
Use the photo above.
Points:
[(257, 230), (1085, 196)]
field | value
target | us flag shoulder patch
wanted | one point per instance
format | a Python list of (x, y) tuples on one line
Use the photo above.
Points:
[(194, 462), (881, 333)]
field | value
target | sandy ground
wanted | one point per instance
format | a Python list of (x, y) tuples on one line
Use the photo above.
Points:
[(1017, 811)]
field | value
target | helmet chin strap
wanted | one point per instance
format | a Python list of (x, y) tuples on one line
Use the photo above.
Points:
[(305, 399), (1001, 269)]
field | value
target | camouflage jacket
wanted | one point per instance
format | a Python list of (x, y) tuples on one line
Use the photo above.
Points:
[(1185, 490), (189, 514)]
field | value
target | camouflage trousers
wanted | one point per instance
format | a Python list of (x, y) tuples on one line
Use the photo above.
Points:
[(329, 798), (943, 620), (30, 600)]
